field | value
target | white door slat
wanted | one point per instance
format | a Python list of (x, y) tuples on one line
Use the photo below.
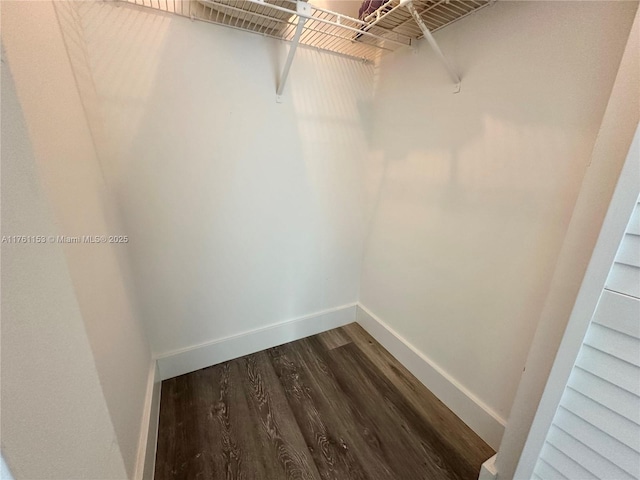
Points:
[(603, 365), (614, 343), (605, 393), (565, 465), (594, 438), (634, 223), (591, 460), (614, 425), (619, 312), (629, 252), (624, 279), (547, 472)]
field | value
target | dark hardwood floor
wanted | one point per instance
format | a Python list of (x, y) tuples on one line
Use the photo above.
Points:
[(332, 406)]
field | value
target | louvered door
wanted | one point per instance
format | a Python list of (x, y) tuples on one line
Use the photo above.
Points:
[(595, 433)]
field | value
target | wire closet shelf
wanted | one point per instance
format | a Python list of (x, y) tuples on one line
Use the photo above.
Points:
[(387, 29)]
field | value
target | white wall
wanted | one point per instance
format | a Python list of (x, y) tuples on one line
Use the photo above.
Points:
[(68, 167), (242, 212), (470, 195), (55, 421)]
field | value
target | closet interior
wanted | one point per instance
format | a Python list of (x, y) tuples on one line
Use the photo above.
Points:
[(323, 239)]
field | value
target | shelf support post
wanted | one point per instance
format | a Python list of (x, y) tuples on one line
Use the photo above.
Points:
[(303, 10), (432, 42)]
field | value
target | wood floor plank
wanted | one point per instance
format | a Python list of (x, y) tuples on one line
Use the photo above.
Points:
[(181, 428), (287, 456), (196, 438), (331, 430), (167, 423), (414, 449), (227, 441), (199, 429), (460, 437)]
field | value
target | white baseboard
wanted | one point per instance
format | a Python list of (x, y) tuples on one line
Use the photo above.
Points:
[(194, 358), (480, 418), (488, 470), (146, 460)]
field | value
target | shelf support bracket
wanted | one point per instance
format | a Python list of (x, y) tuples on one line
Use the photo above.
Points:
[(432, 42), (304, 11)]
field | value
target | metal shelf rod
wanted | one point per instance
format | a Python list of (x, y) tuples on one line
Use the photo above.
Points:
[(303, 12), (432, 42)]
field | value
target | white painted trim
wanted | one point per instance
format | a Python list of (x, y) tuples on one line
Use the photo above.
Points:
[(473, 411), (625, 197), (145, 463), (488, 470), (200, 356)]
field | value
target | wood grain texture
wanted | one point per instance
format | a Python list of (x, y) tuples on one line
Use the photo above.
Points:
[(283, 447), (325, 416), (334, 406), (433, 412), (412, 447)]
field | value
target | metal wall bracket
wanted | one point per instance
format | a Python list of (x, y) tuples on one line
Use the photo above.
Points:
[(303, 9), (408, 4)]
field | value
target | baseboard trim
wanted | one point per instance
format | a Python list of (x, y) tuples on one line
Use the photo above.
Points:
[(480, 418), (194, 358), (488, 470), (145, 464)]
